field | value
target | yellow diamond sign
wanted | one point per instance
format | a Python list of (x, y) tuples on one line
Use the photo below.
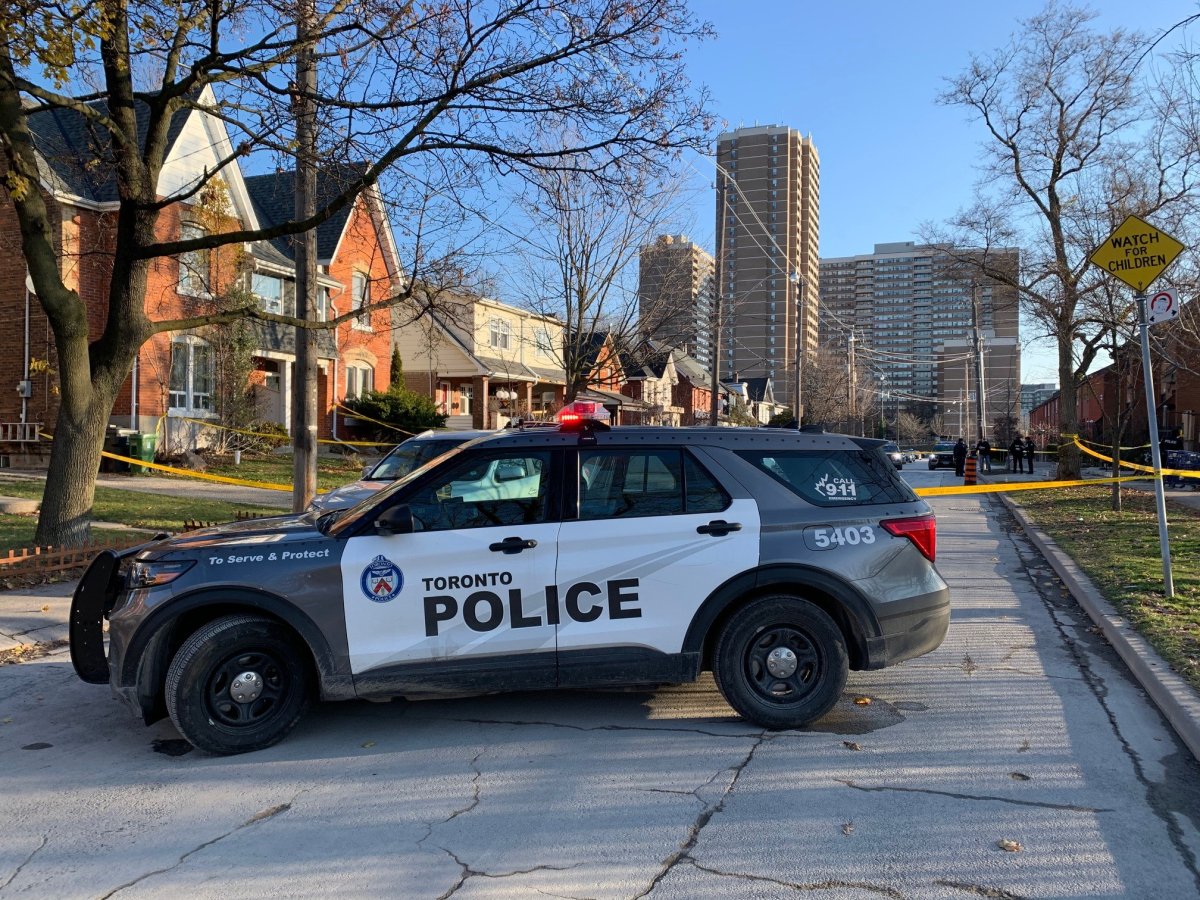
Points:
[(1136, 253)]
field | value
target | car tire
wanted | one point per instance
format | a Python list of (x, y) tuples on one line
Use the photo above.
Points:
[(759, 645), (205, 673)]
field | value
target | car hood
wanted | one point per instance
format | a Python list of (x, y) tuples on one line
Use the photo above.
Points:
[(347, 495), (275, 530)]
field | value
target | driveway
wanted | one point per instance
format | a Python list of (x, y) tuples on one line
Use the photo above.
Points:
[(1022, 728)]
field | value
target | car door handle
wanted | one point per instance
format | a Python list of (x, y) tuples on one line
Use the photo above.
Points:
[(719, 528), (512, 545)]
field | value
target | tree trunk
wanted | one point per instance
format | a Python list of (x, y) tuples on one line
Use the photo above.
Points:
[(1068, 417), (65, 518)]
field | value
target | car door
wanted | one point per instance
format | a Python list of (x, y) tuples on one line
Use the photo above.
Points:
[(461, 601), (654, 533)]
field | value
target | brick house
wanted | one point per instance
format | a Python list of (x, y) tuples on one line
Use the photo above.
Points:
[(170, 389), (484, 362)]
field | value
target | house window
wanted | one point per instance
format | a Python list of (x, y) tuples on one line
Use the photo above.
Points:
[(360, 378), (324, 304), (360, 297), (500, 334), (544, 344), (269, 291), (193, 265), (191, 375)]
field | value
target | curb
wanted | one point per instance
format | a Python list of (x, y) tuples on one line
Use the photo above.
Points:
[(1174, 697)]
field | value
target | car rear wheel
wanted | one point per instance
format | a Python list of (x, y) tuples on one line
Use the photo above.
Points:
[(781, 662), (237, 684)]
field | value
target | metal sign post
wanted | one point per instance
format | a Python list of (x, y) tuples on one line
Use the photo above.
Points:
[(1160, 500), (1137, 253)]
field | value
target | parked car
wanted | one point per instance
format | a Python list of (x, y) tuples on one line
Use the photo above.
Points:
[(401, 460), (894, 454), (942, 454), (533, 559)]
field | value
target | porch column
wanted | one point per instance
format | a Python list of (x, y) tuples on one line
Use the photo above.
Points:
[(529, 399), (480, 415)]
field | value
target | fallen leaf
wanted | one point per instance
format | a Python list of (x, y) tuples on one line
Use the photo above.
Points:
[(1009, 846), (968, 664), (1024, 748), (7, 720), (46, 608), (368, 744), (1018, 776), (847, 828), (862, 701), (852, 745)]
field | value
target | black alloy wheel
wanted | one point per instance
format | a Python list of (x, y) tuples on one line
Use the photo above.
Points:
[(239, 683), (781, 662)]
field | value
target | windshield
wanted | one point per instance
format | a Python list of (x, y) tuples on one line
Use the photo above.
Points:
[(408, 457), (341, 520), (890, 448), (943, 447)]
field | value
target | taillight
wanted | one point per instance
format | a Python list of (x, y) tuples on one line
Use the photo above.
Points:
[(921, 530)]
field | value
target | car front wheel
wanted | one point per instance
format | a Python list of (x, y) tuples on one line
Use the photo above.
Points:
[(781, 662), (237, 684)]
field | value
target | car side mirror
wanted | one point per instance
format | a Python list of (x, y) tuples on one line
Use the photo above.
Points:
[(510, 473), (396, 520)]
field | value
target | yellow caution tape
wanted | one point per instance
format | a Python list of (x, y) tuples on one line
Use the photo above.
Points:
[(223, 479), (358, 415), (1017, 486), (1081, 441), (209, 423), (1178, 473), (243, 482)]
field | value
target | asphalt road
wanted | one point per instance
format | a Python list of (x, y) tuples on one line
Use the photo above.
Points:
[(1023, 727)]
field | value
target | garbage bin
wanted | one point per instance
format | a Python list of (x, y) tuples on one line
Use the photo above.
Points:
[(116, 440), (142, 445)]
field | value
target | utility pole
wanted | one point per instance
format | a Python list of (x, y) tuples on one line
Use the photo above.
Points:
[(798, 373), (981, 400), (850, 385), (883, 405), (304, 384), (717, 319)]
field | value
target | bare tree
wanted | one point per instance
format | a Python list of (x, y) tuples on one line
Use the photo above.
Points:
[(578, 261), (440, 94), (1066, 131)]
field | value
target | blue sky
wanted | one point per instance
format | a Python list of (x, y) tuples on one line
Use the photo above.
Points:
[(862, 78)]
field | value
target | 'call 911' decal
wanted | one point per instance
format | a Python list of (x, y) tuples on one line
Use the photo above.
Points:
[(835, 537), (833, 487)]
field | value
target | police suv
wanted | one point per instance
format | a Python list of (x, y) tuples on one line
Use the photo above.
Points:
[(573, 557)]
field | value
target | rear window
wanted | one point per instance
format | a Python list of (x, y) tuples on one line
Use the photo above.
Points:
[(841, 478)]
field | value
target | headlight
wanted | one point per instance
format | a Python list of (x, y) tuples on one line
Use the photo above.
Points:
[(156, 574)]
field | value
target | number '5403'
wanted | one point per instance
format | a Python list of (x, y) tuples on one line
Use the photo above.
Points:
[(850, 536)]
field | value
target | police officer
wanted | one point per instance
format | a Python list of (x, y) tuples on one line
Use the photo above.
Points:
[(983, 450), (1016, 450), (960, 456), (1030, 450)]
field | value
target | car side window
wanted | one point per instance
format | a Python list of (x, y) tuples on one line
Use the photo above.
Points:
[(622, 484), (482, 491), (837, 478)]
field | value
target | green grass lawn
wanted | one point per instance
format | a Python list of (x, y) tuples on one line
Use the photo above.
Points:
[(1120, 553), (332, 471), (137, 510)]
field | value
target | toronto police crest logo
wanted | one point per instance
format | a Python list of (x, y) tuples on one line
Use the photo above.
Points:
[(381, 580)]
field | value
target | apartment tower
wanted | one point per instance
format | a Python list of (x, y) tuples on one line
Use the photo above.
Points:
[(913, 311), (768, 270), (676, 281)]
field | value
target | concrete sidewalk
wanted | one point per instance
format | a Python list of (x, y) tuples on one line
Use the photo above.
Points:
[(36, 615), (151, 484)]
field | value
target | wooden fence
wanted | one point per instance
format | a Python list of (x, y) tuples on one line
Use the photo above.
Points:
[(49, 560), (240, 516)]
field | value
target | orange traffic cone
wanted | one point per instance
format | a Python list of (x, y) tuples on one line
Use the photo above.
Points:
[(969, 470)]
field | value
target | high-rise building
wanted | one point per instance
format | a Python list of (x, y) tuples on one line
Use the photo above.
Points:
[(768, 275), (676, 281), (912, 310)]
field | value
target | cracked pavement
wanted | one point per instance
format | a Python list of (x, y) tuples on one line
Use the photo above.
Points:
[(1042, 739)]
